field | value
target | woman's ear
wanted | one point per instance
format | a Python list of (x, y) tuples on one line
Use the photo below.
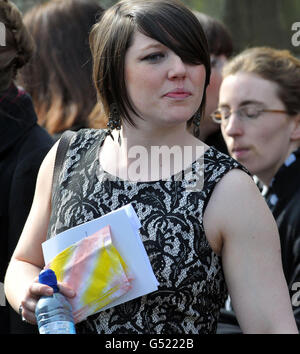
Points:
[(295, 134)]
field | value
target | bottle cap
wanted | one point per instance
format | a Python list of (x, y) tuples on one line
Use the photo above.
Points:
[(48, 277)]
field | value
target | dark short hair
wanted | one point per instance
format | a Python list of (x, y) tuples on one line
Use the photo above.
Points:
[(218, 36), (167, 21)]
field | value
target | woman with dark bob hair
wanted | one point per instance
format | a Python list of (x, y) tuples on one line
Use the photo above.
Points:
[(151, 69)]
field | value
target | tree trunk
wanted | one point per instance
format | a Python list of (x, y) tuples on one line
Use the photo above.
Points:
[(254, 23)]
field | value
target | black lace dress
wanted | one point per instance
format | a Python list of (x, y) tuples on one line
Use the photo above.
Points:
[(191, 282)]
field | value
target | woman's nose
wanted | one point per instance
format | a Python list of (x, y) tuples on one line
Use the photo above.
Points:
[(234, 125), (177, 68)]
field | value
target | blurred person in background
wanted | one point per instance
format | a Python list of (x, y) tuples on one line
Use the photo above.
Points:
[(23, 146), (59, 75), (221, 48), (259, 114)]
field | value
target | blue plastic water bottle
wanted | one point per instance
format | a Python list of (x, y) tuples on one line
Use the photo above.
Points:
[(53, 313)]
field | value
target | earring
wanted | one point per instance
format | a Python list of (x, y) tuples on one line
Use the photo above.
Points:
[(196, 122), (114, 121)]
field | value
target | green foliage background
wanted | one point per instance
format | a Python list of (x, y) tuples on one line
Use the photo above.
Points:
[(251, 22)]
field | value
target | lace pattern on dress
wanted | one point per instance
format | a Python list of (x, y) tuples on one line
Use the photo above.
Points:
[(191, 282)]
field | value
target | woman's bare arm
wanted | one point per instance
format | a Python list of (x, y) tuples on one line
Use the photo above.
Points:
[(27, 259), (251, 256)]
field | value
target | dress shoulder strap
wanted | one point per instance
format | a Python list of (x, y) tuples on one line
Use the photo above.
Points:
[(60, 157)]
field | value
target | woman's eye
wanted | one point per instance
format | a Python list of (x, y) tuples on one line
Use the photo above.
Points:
[(213, 62), (155, 57), (251, 112)]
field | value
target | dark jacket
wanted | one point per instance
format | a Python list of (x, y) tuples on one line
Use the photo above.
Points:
[(23, 146), (283, 198)]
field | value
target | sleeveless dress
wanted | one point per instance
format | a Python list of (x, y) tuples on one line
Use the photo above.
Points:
[(191, 287)]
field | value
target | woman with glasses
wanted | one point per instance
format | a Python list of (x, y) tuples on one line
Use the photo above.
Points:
[(259, 114), (151, 70)]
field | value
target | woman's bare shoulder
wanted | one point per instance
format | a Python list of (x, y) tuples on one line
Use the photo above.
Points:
[(234, 208)]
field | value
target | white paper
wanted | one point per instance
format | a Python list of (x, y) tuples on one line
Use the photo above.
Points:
[(124, 225)]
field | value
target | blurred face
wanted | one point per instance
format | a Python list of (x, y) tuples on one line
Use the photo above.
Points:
[(261, 144), (163, 89), (212, 91)]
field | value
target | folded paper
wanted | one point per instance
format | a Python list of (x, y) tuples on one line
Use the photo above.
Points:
[(124, 224), (94, 268)]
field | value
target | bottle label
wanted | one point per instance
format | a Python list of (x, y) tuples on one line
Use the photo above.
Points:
[(58, 327)]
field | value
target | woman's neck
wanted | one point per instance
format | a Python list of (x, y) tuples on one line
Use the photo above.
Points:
[(157, 136), (149, 155)]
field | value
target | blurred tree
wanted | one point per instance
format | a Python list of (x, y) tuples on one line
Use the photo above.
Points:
[(255, 22), (251, 22), (213, 8), (24, 5)]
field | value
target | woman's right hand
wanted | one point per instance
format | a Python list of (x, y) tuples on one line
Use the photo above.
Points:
[(33, 294)]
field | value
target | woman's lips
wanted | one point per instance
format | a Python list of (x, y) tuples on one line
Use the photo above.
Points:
[(240, 152), (178, 94)]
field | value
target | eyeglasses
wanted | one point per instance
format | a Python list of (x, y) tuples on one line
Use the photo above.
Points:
[(247, 112)]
